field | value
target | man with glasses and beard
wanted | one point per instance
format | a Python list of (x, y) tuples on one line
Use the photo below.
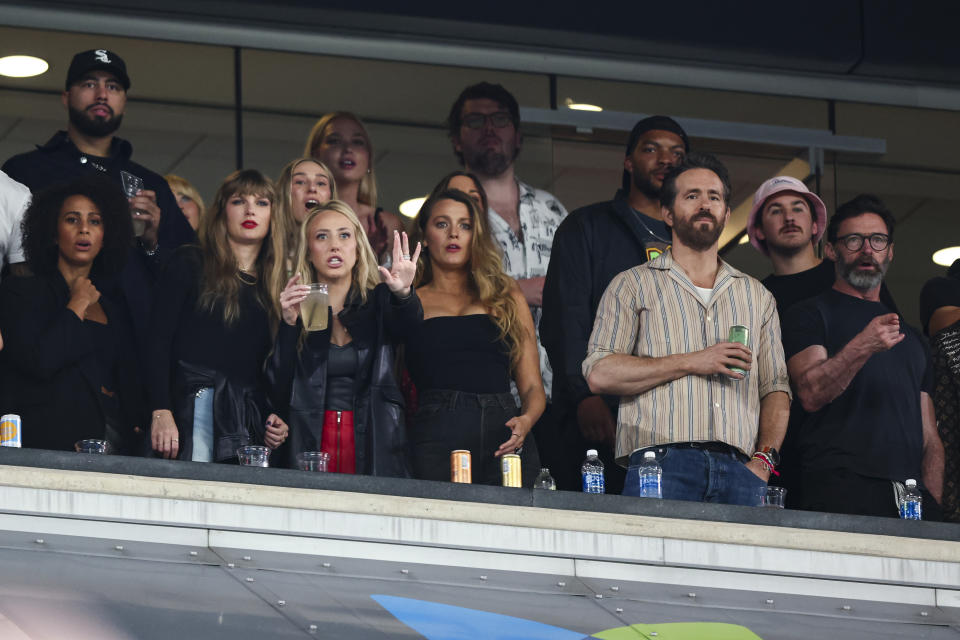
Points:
[(592, 245), (865, 379), (484, 127), (660, 342)]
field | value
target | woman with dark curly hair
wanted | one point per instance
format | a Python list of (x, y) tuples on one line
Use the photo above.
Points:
[(67, 367)]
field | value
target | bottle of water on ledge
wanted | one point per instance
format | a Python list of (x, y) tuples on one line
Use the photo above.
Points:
[(911, 504), (651, 476), (545, 480), (592, 473)]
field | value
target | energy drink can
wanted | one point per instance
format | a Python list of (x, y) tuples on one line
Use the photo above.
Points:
[(510, 466), (10, 429), (739, 334), (460, 470)]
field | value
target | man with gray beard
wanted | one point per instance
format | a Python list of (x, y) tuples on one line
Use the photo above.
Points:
[(864, 378)]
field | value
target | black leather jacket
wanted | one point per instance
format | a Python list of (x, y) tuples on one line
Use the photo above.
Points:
[(297, 382)]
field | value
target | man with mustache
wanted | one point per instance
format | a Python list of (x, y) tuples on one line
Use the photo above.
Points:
[(95, 97), (864, 378), (592, 245), (660, 343), (484, 127)]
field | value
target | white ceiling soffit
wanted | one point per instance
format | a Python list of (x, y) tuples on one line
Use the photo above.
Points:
[(488, 57)]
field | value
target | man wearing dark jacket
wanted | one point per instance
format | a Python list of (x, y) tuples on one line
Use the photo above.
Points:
[(95, 97), (591, 246)]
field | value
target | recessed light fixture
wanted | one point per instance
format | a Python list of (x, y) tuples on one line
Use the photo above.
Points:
[(945, 257), (410, 208), (22, 66), (581, 106), (744, 239)]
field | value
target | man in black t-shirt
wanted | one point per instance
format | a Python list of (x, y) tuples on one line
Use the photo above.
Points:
[(865, 384), (591, 246)]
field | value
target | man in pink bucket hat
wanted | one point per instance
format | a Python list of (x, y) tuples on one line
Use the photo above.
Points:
[(785, 224)]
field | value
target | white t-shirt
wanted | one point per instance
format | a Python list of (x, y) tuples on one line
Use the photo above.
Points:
[(705, 294), (14, 200)]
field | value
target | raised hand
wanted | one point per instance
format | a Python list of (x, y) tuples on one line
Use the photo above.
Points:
[(404, 267), (882, 334), (291, 297), (83, 293)]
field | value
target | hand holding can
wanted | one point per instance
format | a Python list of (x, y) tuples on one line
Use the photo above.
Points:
[(739, 334)]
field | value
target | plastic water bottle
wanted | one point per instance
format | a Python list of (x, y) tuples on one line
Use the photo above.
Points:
[(911, 504), (592, 473), (651, 476), (545, 480)]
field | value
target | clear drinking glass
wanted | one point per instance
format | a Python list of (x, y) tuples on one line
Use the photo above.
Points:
[(773, 497), (313, 460), (313, 309), (93, 446), (254, 456), (131, 185)]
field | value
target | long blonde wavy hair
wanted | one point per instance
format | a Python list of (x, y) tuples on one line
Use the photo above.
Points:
[(364, 276), (367, 192), (485, 275), (284, 202), (221, 284)]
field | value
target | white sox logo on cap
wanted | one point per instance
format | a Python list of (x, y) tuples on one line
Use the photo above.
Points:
[(101, 55)]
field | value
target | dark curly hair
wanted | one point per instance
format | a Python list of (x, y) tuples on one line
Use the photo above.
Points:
[(41, 219)]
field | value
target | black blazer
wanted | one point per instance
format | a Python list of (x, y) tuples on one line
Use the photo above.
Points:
[(50, 373)]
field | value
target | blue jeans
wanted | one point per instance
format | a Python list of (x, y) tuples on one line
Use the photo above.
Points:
[(203, 426), (700, 476)]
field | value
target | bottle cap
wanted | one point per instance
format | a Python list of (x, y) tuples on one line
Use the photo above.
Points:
[(911, 482), (544, 470), (591, 452), (649, 455)]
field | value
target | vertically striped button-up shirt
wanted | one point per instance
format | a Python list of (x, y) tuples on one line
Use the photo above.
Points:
[(654, 310)]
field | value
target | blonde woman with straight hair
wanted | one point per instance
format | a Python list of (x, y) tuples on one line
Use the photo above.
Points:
[(215, 315), (476, 338), (340, 141), (340, 365), (304, 184)]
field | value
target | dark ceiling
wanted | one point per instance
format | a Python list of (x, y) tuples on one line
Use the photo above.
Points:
[(911, 42)]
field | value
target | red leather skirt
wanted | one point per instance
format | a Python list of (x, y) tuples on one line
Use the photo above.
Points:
[(337, 441)]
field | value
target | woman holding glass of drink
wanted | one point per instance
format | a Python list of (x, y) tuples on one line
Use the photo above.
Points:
[(332, 370), (214, 321)]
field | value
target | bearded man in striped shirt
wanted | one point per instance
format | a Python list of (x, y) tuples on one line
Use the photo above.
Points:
[(660, 341)]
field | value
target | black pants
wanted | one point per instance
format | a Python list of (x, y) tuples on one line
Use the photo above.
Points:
[(449, 420), (843, 491)]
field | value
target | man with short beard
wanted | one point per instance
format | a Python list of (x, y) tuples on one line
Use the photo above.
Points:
[(95, 97), (864, 378), (484, 127), (592, 245), (660, 342)]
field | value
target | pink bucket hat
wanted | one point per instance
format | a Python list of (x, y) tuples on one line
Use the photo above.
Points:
[(772, 187)]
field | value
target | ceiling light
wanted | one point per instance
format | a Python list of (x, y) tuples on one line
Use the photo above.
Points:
[(744, 239), (410, 208), (22, 66), (579, 106), (945, 257)]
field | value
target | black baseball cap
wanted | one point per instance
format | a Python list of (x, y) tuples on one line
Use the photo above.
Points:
[(661, 123), (95, 60)]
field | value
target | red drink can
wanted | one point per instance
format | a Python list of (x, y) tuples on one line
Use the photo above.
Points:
[(510, 466), (460, 466), (10, 428)]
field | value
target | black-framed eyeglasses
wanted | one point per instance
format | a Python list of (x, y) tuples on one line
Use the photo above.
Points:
[(498, 119), (854, 241)]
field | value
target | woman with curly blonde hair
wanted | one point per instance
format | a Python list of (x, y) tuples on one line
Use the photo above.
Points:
[(476, 338), (344, 372), (340, 141), (217, 308), (304, 184)]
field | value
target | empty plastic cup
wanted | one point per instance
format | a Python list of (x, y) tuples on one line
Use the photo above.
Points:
[(313, 460), (254, 456)]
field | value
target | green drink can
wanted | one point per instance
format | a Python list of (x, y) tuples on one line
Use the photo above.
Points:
[(739, 334)]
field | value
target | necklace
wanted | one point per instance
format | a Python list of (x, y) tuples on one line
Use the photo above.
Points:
[(246, 278), (639, 217)]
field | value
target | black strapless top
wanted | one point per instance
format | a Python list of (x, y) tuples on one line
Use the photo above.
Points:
[(460, 353)]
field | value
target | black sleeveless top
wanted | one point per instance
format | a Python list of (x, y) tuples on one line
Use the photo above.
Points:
[(459, 353)]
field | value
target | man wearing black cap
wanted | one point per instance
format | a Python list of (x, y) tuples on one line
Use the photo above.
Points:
[(95, 97), (591, 246)]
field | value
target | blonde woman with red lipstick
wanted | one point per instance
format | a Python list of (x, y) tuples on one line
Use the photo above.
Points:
[(340, 141), (214, 320), (345, 372), (476, 338)]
